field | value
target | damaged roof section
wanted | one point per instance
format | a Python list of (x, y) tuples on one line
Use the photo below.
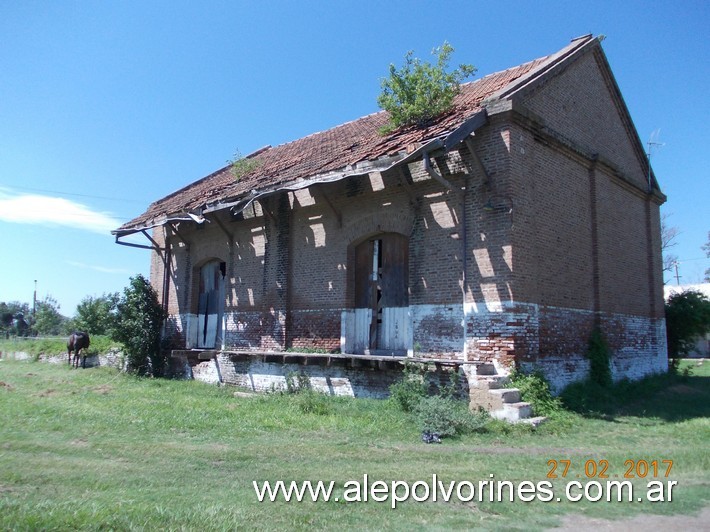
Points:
[(353, 148)]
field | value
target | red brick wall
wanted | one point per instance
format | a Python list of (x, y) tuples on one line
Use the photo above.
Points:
[(572, 240)]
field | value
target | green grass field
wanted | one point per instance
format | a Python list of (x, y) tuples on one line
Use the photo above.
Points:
[(97, 449)]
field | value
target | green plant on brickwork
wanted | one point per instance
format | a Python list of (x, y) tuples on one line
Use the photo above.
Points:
[(241, 166), (311, 350), (420, 91), (599, 357)]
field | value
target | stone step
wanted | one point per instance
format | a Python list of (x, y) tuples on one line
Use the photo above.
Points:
[(486, 368), (513, 412), (492, 382), (507, 395)]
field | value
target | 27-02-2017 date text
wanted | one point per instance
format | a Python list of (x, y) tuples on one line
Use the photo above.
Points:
[(601, 469)]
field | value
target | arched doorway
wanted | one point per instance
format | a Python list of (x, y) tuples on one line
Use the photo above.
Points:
[(381, 296), (210, 304)]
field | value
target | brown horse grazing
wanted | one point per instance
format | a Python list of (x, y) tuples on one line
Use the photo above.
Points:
[(78, 341)]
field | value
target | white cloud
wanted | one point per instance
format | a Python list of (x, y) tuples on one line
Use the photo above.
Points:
[(102, 269), (48, 210)]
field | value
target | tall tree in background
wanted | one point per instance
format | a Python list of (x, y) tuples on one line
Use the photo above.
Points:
[(8, 311), (706, 247), (97, 315), (668, 236), (47, 319), (687, 318)]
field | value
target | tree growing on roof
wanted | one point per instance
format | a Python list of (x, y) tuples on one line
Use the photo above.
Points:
[(420, 91), (241, 166)]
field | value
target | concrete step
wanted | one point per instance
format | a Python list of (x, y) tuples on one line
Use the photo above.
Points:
[(486, 368), (492, 382), (513, 412), (507, 395)]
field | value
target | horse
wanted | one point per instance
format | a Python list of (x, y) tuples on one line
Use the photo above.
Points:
[(77, 341)]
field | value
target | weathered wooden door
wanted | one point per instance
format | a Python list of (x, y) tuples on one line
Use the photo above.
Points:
[(210, 304), (382, 318)]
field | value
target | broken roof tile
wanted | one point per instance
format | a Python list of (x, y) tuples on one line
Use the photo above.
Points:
[(325, 152)]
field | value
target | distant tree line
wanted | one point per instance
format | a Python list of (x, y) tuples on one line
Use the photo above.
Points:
[(133, 318)]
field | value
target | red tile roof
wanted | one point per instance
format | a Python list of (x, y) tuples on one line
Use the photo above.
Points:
[(327, 151)]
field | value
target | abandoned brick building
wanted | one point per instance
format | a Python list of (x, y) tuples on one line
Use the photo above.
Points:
[(502, 233)]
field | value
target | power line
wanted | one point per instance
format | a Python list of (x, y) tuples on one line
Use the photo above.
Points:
[(74, 194)]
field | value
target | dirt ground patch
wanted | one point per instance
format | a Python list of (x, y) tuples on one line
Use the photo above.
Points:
[(643, 522)]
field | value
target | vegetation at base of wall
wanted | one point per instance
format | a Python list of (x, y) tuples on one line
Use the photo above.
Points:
[(304, 398), (101, 450), (297, 382), (535, 389), (687, 318), (419, 91), (138, 327), (410, 389), (599, 357), (443, 413), (666, 392), (447, 416)]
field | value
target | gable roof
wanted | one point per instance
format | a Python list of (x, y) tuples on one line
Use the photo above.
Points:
[(353, 148)]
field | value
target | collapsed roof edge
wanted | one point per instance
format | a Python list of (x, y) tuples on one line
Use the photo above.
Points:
[(239, 203)]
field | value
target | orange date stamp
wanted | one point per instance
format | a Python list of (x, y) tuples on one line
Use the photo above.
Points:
[(600, 469)]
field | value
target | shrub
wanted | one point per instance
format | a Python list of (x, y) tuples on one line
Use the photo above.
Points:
[(138, 324), (421, 91), (687, 317), (447, 417), (535, 389), (411, 389)]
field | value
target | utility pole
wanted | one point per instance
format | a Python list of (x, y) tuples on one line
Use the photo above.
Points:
[(34, 300), (677, 277)]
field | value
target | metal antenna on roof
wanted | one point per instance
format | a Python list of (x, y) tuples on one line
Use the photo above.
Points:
[(653, 142)]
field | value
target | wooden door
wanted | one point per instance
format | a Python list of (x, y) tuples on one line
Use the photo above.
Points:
[(210, 304), (382, 295)]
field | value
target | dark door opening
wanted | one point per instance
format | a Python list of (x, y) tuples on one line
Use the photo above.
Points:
[(382, 295)]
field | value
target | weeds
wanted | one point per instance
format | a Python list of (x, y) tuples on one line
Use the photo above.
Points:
[(411, 389), (447, 417)]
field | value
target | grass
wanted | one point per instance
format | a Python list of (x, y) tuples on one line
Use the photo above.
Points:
[(97, 449), (54, 345)]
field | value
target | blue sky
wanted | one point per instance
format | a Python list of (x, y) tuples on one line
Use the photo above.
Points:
[(106, 106)]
